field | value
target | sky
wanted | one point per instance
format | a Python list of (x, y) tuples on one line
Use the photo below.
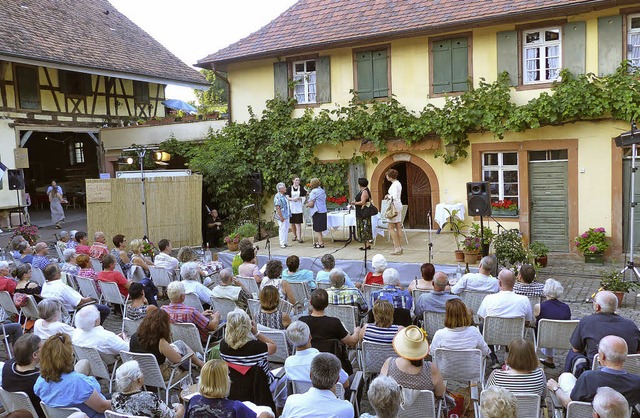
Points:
[(193, 29)]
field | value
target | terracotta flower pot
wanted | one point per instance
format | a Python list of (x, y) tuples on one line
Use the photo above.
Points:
[(620, 296), (232, 246), (542, 261), (459, 255), (470, 257)]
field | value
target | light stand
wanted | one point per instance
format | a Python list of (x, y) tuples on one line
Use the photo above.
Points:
[(142, 152), (430, 221)]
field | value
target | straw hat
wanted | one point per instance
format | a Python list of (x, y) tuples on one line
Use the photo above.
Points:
[(410, 343)]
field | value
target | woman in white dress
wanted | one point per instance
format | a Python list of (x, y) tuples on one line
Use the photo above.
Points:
[(296, 195), (393, 195), (55, 202)]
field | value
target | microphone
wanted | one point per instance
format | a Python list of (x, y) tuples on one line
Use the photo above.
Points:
[(248, 206)]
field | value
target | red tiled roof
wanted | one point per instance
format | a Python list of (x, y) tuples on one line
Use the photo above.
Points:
[(316, 24), (90, 34)]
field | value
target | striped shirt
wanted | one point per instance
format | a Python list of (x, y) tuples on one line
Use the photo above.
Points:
[(253, 353), (376, 334), (534, 382)]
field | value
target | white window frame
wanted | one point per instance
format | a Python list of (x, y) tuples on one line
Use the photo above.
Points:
[(501, 168), (77, 153), (306, 79), (631, 43), (542, 47)]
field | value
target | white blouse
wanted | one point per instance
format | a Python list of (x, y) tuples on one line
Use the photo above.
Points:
[(395, 190)]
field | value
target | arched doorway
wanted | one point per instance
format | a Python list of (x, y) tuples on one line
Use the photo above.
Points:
[(420, 190)]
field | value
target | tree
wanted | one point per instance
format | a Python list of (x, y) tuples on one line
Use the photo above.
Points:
[(216, 95)]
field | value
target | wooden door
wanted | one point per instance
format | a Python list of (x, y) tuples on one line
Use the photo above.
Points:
[(549, 213), (418, 197)]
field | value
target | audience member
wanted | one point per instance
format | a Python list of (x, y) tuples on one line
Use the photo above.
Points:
[(378, 263), (482, 281), (25, 284), (458, 332), (164, 259), (237, 259), (249, 266), (109, 274), (181, 313), (82, 240), (15, 246), (523, 373), (383, 330), (89, 333), (609, 404), (72, 244), (20, 373), (273, 273), (294, 274), (191, 282), (232, 289), (63, 240), (70, 265), (435, 300), (270, 315), (525, 284), (49, 322), (340, 294), (99, 248), (392, 291), (6, 281), (425, 282), (25, 253), (385, 396), (138, 258), (60, 386), (497, 402), (328, 263), (86, 268), (592, 328), (118, 252), (132, 400), (320, 400), (551, 308), (40, 259), (138, 306)]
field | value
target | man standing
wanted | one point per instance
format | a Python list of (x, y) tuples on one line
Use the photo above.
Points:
[(281, 206), (525, 284), (482, 281), (99, 248), (435, 300)]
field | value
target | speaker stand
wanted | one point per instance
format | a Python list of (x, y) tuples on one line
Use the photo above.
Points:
[(19, 207)]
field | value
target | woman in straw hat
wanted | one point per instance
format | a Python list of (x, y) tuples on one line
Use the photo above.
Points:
[(409, 369)]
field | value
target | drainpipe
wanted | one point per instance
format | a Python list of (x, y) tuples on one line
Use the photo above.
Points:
[(226, 81)]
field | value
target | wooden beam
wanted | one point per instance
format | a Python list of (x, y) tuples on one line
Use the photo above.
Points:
[(53, 91), (25, 138), (95, 95), (124, 92)]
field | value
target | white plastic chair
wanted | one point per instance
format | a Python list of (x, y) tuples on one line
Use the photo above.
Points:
[(13, 401), (383, 222), (189, 334), (367, 290), (160, 276), (136, 274), (99, 369), (51, 412), (87, 288), (554, 333), (300, 386), (254, 307), (473, 299), (462, 366), (224, 306), (130, 327), (301, 293), (9, 308), (111, 294), (250, 284), (500, 331), (432, 322), (373, 357), (423, 406)]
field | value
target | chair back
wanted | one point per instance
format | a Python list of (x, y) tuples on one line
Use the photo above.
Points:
[(118, 268), (130, 326), (405, 209), (324, 285), (285, 306), (254, 307), (6, 301), (383, 221), (250, 284), (136, 274), (416, 293), (37, 275), (282, 348), (224, 306), (500, 331), (299, 386), (96, 265), (534, 300), (13, 401), (460, 365), (111, 293), (374, 355), (528, 404), (631, 364), (51, 412), (98, 368), (473, 299), (59, 252), (577, 409), (160, 276), (345, 313), (432, 321), (113, 414), (423, 406), (69, 280), (367, 290), (148, 366), (300, 292), (30, 310), (189, 334), (193, 300), (553, 333), (87, 287)]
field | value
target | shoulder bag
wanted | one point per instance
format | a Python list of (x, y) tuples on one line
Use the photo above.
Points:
[(391, 212)]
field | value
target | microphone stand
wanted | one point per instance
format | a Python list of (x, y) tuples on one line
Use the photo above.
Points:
[(430, 221)]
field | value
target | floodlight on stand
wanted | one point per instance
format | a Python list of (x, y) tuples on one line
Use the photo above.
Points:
[(161, 156), (129, 160)]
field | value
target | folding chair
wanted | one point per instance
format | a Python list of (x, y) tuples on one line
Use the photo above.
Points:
[(224, 306), (282, 348), (153, 375), (367, 290), (631, 364), (160, 276), (59, 252), (431, 322), (96, 265), (111, 294), (37, 275), (500, 331), (473, 299), (69, 280), (345, 313), (30, 310), (188, 333), (462, 366), (373, 357), (577, 409), (136, 274), (99, 368), (129, 326), (383, 223), (416, 293), (423, 406), (13, 401), (193, 300), (300, 386), (9, 308), (51, 412), (250, 284), (112, 414), (254, 307), (87, 288), (554, 333), (324, 286), (301, 293)]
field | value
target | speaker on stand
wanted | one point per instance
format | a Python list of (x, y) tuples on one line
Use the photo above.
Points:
[(479, 204), (16, 182)]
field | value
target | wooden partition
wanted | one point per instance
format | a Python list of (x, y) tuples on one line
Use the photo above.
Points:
[(174, 208)]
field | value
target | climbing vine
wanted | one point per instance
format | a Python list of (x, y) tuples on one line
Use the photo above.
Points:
[(278, 144)]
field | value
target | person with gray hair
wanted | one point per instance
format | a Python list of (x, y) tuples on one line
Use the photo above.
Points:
[(436, 300), (392, 291), (340, 294), (131, 400), (298, 366), (609, 404), (385, 396), (282, 213), (232, 289), (99, 248), (320, 400), (6, 281), (592, 328), (551, 308), (498, 402), (63, 239), (482, 281), (612, 353), (40, 259), (89, 333), (180, 313), (190, 273), (378, 263), (328, 263), (70, 265)]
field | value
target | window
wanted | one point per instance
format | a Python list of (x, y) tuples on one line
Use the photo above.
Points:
[(28, 86), (140, 92), (501, 170), (304, 77), (541, 55), (450, 65), (633, 40), (76, 153), (372, 74)]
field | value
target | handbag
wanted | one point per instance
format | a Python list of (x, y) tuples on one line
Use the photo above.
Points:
[(369, 210), (391, 212), (20, 300)]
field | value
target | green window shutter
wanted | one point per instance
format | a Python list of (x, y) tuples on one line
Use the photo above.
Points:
[(459, 64), (323, 80), (442, 76), (281, 80), (28, 87), (364, 74), (574, 47), (380, 74), (609, 44), (507, 43), (62, 80)]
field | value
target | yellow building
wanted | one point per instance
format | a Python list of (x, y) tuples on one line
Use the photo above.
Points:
[(563, 179), (69, 69)]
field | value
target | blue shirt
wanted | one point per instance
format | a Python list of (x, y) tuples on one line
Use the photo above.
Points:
[(323, 277), (281, 200), (433, 301), (40, 261), (397, 297), (300, 276), (28, 258), (319, 198), (72, 390)]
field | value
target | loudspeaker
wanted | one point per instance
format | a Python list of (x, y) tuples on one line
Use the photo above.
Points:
[(255, 183), (479, 198), (16, 179)]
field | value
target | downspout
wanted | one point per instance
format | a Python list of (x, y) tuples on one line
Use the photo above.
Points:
[(226, 81)]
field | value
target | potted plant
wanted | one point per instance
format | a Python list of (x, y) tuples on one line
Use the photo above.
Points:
[(484, 233), (539, 252), (504, 208), (247, 230), (455, 225), (615, 282), (509, 248), (471, 247), (28, 232), (592, 244), (232, 241)]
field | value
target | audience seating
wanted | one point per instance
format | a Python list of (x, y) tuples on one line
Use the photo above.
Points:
[(301, 293), (345, 313), (250, 284), (13, 401), (554, 333), (254, 307), (631, 364), (99, 369), (96, 265), (323, 285), (416, 293), (373, 357), (136, 274), (69, 280), (191, 299), (500, 331), (111, 294), (423, 406), (129, 326), (462, 366), (190, 335), (37, 275), (87, 288), (431, 322), (367, 290), (285, 307), (160, 276), (9, 308), (473, 299), (30, 310), (51, 412), (223, 305), (299, 386)]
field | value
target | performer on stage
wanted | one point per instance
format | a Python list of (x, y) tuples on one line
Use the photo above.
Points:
[(55, 202), (214, 229), (281, 214), (395, 229), (318, 204), (363, 224), (296, 195)]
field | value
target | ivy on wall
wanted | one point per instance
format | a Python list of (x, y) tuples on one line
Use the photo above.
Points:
[(279, 145)]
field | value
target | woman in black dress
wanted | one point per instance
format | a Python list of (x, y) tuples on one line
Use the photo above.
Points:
[(363, 224)]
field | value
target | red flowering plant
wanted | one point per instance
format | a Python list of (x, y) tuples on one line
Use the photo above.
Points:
[(505, 204), (592, 241), (340, 200), (28, 232), (149, 249)]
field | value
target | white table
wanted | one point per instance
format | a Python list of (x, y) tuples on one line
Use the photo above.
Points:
[(442, 215), (343, 219)]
